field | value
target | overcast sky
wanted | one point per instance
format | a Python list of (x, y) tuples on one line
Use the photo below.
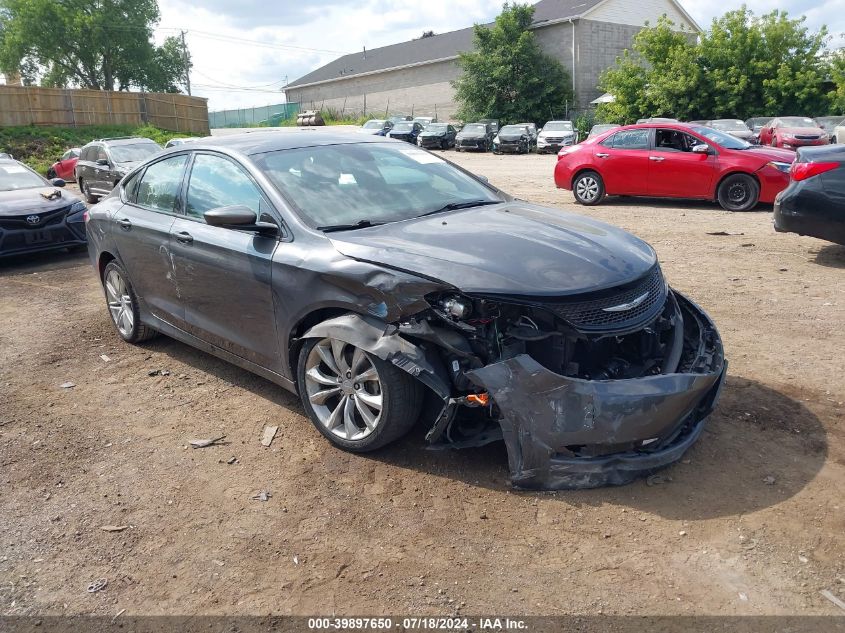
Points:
[(243, 51)]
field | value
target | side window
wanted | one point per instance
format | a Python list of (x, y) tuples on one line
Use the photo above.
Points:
[(218, 182), (88, 153), (101, 153), (628, 139), (160, 185), (130, 188)]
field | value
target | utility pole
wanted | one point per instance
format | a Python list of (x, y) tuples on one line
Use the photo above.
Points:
[(187, 64)]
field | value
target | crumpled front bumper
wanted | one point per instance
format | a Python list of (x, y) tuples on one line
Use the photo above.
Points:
[(629, 428)]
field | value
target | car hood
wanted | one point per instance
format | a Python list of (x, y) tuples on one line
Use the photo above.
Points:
[(432, 133), (406, 133), (25, 201), (770, 153), (513, 248), (802, 131), (511, 137), (553, 133), (471, 135), (371, 131)]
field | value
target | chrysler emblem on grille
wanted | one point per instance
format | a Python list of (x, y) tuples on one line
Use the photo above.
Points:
[(627, 306), (33, 219)]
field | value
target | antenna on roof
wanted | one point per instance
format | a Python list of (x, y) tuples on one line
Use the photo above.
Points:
[(365, 52)]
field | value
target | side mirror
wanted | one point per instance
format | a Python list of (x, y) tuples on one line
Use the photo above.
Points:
[(58, 182), (102, 161), (238, 216), (701, 149)]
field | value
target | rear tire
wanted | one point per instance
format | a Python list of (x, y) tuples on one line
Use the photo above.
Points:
[(356, 400), (738, 192), (123, 305), (588, 188)]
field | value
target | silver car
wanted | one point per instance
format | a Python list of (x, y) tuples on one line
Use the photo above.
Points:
[(734, 127)]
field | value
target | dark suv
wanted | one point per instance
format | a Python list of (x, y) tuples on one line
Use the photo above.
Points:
[(104, 161)]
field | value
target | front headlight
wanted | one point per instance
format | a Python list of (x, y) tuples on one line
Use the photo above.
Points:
[(76, 207), (782, 167), (496, 139)]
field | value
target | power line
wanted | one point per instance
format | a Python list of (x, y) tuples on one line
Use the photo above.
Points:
[(240, 40), (224, 84)]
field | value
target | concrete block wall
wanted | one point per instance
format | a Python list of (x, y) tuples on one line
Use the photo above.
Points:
[(599, 45)]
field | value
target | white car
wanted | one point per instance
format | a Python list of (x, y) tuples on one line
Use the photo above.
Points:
[(838, 134), (556, 134)]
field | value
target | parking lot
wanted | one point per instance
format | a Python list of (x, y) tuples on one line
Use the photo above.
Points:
[(752, 521)]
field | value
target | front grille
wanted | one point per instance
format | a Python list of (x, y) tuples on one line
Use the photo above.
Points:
[(807, 137), (553, 139), (589, 315), (17, 222)]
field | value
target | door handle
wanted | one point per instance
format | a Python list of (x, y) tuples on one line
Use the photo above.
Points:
[(602, 155), (656, 159), (125, 224), (184, 237)]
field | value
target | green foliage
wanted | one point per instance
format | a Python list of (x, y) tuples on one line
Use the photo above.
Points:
[(742, 66), (97, 44), (508, 77), (39, 147)]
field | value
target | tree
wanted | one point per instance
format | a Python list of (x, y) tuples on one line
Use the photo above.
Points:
[(742, 66), (98, 44), (508, 76)]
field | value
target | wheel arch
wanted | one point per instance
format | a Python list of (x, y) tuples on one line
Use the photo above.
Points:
[(104, 260), (584, 170), (375, 337), (734, 172)]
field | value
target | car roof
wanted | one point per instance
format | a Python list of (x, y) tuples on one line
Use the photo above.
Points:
[(127, 140), (263, 141)]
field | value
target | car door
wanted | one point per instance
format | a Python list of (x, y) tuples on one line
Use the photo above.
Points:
[(622, 161), (675, 171), (101, 169), (224, 273), (141, 234)]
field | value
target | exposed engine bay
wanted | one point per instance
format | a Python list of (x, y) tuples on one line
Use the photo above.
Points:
[(585, 390)]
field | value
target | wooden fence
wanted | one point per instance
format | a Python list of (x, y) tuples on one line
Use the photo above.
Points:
[(63, 107)]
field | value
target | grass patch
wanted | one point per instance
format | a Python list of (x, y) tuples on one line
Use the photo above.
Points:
[(39, 147)]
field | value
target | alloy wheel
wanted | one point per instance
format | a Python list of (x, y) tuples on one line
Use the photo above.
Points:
[(587, 188), (120, 303), (344, 389)]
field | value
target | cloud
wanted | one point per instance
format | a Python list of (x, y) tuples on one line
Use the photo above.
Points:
[(265, 42)]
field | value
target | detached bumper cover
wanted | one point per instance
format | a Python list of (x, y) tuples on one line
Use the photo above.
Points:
[(632, 427)]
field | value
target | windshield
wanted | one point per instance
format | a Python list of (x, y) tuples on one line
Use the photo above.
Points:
[(436, 127), (133, 153), (475, 128), (734, 126), (15, 176), (403, 126), (720, 138), (377, 182), (373, 125), (798, 121), (558, 126), (513, 129), (604, 127)]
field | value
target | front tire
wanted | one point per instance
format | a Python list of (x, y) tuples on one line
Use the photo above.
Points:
[(356, 400), (86, 191), (738, 192), (123, 305), (588, 188)]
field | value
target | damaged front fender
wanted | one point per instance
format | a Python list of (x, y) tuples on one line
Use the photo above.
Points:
[(384, 341), (567, 433)]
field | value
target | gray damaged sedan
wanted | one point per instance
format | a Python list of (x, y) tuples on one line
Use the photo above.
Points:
[(379, 281)]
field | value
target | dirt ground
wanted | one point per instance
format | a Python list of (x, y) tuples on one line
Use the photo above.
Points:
[(752, 521)]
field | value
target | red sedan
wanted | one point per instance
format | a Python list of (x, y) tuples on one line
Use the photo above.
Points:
[(65, 166), (792, 132), (674, 160)]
